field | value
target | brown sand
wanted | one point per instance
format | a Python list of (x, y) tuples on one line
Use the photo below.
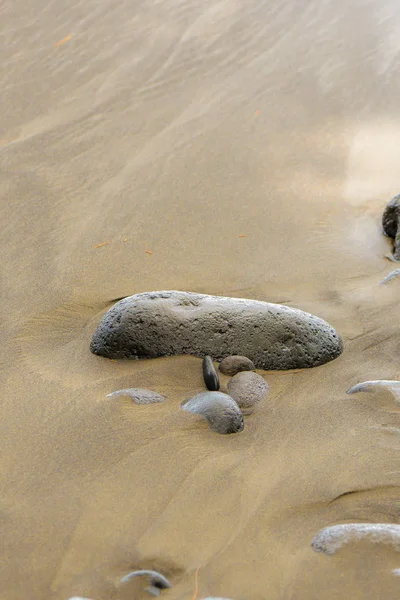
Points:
[(224, 147)]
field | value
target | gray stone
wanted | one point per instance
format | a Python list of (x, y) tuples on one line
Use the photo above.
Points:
[(168, 323), (139, 395), (390, 224), (247, 389), (220, 410), (157, 581), (235, 364)]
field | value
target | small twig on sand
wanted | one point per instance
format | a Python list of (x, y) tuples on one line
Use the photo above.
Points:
[(196, 587)]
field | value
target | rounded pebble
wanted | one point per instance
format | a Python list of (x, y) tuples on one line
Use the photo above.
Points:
[(220, 410), (248, 388), (235, 364)]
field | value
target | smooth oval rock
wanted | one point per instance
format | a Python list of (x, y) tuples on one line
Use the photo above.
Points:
[(220, 410), (169, 323), (210, 375), (235, 364), (139, 395), (247, 389)]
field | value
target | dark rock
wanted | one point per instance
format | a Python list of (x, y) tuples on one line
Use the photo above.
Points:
[(220, 410), (210, 375), (235, 364), (390, 223), (168, 323), (248, 388)]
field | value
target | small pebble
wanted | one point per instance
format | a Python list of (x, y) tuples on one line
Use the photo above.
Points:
[(220, 410), (235, 364), (391, 276), (396, 572), (210, 375), (248, 388), (157, 581), (138, 395)]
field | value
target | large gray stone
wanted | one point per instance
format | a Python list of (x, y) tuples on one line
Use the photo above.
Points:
[(168, 323)]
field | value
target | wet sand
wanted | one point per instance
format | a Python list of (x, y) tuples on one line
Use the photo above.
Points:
[(231, 148)]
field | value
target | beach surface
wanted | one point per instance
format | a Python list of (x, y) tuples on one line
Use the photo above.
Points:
[(242, 149)]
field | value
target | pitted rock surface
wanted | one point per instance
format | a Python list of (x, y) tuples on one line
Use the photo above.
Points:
[(169, 323)]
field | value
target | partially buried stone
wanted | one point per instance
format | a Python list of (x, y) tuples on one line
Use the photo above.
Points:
[(248, 388), (220, 410), (157, 581), (169, 323), (390, 223), (138, 395), (235, 364), (210, 375)]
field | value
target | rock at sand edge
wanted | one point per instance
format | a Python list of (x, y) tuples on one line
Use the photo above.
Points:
[(171, 323)]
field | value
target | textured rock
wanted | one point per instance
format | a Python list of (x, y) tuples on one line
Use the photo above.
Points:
[(247, 389), (273, 336), (220, 410), (139, 395), (390, 223), (235, 364), (210, 375)]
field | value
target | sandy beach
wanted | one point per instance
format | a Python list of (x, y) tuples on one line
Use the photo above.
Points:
[(242, 149)]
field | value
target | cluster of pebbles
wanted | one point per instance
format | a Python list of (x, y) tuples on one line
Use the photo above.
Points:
[(223, 411), (316, 342)]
